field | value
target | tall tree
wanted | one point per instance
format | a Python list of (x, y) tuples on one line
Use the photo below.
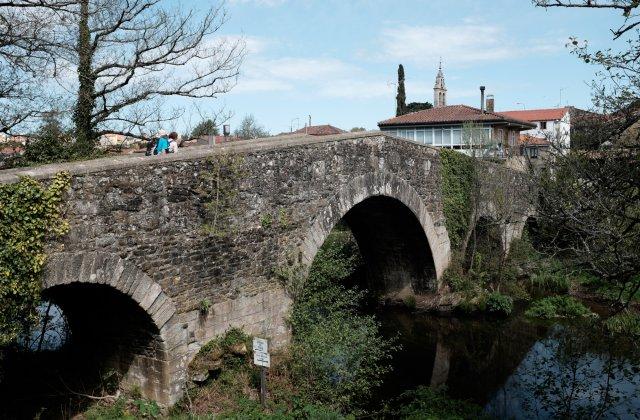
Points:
[(26, 60), (418, 106), (590, 200), (401, 97), (129, 56), (250, 129)]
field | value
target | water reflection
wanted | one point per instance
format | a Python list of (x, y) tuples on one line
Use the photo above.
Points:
[(517, 368), (573, 373)]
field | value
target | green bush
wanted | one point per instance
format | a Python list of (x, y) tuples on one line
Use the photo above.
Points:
[(550, 277), (425, 403), (499, 304), (116, 410), (558, 307), (626, 322), (338, 355)]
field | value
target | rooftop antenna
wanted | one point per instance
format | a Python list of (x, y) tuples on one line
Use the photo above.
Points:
[(560, 103)]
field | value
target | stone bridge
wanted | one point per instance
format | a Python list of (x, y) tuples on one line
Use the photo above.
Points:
[(143, 284)]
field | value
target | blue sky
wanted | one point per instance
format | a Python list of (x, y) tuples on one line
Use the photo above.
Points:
[(337, 59)]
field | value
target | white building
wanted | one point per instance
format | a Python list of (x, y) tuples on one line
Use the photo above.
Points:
[(552, 124)]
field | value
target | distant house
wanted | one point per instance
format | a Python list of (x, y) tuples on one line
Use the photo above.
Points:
[(552, 124), (319, 130), (534, 147), (443, 127)]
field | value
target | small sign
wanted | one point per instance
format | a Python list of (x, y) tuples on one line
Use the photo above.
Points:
[(260, 345), (261, 359)]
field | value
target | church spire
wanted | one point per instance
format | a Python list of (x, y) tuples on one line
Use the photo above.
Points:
[(439, 90)]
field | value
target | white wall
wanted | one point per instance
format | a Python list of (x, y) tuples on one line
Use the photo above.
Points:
[(556, 131)]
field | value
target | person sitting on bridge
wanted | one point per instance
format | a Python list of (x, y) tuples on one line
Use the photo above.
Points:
[(163, 143), (173, 142)]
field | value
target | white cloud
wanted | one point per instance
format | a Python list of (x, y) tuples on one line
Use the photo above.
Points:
[(463, 44)]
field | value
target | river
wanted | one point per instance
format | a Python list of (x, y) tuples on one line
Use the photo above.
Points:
[(516, 368)]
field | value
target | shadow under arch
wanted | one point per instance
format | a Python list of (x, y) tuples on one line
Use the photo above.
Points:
[(127, 319), (393, 227)]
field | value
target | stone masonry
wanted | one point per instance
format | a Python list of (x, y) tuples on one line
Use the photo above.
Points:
[(137, 227)]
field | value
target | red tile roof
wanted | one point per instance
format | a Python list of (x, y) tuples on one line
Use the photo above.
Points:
[(526, 140), (551, 114), (451, 114), (319, 130)]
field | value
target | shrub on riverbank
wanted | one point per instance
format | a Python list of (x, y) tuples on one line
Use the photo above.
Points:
[(499, 304), (338, 354), (626, 322), (427, 403), (558, 307)]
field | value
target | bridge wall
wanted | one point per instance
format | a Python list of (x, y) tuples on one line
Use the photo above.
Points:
[(137, 226), (148, 213)]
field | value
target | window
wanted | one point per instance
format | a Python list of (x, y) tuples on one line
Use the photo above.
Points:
[(437, 137), (428, 136), (532, 152), (456, 139), (446, 137), (420, 136), (543, 125), (512, 138)]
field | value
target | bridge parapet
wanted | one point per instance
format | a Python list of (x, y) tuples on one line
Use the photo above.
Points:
[(149, 213)]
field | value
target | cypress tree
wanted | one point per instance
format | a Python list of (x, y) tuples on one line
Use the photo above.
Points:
[(401, 98)]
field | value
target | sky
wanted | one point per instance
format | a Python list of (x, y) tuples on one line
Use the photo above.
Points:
[(337, 60)]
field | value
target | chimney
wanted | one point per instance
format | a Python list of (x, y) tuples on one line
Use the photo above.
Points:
[(482, 99), (490, 103)]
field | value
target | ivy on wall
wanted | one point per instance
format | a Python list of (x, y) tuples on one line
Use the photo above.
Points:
[(30, 215), (458, 180), (219, 192)]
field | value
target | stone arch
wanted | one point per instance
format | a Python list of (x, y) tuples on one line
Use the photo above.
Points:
[(378, 184), (158, 372)]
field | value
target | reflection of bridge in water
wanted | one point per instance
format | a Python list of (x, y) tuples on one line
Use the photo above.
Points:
[(133, 271)]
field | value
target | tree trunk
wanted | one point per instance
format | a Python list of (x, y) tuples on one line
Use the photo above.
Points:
[(85, 137)]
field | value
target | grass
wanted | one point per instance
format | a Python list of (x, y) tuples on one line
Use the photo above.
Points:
[(425, 403), (626, 322), (558, 307)]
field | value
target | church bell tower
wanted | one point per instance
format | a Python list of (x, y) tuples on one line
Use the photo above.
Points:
[(439, 90)]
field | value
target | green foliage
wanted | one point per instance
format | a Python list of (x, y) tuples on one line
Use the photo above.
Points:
[(223, 348), (338, 356), (250, 129), (499, 304), (410, 302), (266, 220), (283, 219), (117, 410), (147, 408), (418, 106), (550, 276), (30, 215), (123, 408), (205, 305), (558, 307), (615, 292), (425, 403), (458, 179), (626, 322), (204, 128), (219, 193)]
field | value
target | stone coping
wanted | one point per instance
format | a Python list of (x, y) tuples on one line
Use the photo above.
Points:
[(186, 154)]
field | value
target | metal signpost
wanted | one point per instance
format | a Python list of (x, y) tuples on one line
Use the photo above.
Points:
[(261, 358)]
